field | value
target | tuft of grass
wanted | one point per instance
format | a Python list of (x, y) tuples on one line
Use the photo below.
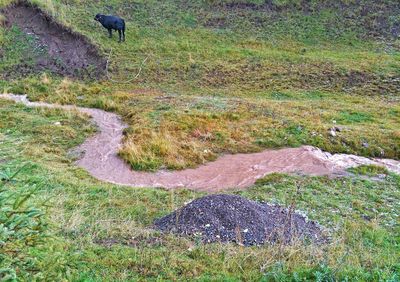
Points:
[(369, 170), (355, 117)]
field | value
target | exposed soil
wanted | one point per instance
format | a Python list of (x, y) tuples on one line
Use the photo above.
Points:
[(100, 158), (67, 53), (230, 218)]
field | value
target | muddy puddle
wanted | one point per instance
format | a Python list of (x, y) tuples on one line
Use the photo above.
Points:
[(100, 159), (64, 53)]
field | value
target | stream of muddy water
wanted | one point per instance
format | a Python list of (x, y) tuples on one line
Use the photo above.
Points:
[(100, 158)]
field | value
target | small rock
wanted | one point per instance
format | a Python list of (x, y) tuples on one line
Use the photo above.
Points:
[(365, 144), (366, 217), (332, 132), (57, 123), (246, 230), (338, 128)]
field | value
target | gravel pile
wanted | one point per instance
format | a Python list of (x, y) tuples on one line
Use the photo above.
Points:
[(231, 218)]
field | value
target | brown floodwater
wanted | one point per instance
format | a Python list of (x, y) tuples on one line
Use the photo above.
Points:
[(100, 158)]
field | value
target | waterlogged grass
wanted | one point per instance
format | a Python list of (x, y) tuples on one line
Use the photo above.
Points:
[(103, 232)]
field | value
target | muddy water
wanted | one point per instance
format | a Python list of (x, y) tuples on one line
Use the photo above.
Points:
[(100, 159)]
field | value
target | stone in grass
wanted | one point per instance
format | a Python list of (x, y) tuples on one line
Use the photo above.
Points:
[(231, 218)]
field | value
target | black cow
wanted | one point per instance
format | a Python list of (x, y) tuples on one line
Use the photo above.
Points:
[(112, 23)]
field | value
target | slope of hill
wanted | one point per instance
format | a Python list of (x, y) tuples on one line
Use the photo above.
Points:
[(194, 80)]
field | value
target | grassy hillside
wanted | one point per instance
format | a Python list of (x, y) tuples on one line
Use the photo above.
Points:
[(213, 77), (219, 77)]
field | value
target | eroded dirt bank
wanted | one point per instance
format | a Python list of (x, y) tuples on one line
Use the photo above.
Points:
[(100, 159), (64, 51)]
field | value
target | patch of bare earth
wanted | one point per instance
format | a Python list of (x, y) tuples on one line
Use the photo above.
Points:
[(66, 53)]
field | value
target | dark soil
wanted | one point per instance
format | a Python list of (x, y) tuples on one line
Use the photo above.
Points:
[(230, 218), (67, 53)]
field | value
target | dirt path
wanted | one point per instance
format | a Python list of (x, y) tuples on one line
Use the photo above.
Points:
[(230, 171)]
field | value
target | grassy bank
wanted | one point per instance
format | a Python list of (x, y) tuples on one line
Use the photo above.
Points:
[(221, 77), (94, 231)]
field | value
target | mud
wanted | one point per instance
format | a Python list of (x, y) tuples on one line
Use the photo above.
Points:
[(100, 159), (231, 218), (65, 53)]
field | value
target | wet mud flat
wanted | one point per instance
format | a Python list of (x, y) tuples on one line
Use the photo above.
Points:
[(64, 52)]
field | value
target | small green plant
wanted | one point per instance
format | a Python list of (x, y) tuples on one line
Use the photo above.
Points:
[(22, 226)]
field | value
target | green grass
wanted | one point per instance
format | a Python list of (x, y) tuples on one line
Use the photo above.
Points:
[(276, 71), (19, 48), (369, 170), (103, 232), (217, 79)]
